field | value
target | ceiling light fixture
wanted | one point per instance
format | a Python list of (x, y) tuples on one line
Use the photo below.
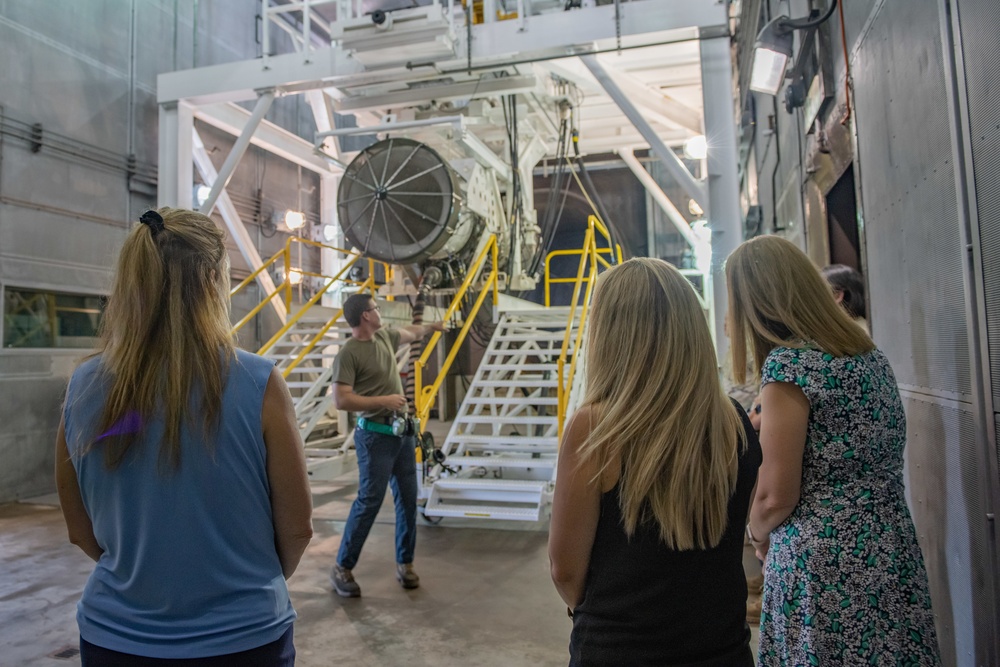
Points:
[(773, 49)]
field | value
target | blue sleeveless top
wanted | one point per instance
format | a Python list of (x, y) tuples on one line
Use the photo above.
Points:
[(189, 568)]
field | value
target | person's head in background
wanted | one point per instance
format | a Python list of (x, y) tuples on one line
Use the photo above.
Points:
[(848, 289), (777, 297), (659, 411)]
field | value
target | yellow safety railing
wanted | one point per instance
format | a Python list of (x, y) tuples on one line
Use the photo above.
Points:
[(590, 257), (424, 397), (549, 280), (285, 290)]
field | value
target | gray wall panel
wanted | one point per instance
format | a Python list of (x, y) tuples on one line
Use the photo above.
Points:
[(69, 94), (69, 65), (948, 508), (915, 252), (91, 30), (980, 24)]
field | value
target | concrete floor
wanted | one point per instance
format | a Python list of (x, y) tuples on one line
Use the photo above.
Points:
[(485, 597)]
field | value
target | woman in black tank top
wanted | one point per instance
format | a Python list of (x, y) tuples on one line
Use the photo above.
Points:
[(655, 477)]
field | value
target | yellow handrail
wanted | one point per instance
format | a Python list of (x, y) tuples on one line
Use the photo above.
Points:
[(424, 397), (549, 280), (590, 252), (285, 288), (310, 303)]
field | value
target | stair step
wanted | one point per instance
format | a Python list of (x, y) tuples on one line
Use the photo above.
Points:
[(301, 368), (516, 383), (506, 441), (541, 420), (477, 484), (519, 367), (539, 336), (541, 311), (511, 400), (332, 331), (484, 512), (500, 462), (299, 385)]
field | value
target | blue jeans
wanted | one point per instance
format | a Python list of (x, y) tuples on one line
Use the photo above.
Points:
[(382, 460)]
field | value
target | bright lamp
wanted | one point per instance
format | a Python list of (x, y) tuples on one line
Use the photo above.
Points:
[(696, 148), (770, 56), (295, 219)]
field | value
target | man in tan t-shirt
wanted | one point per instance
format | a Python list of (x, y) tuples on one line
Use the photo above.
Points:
[(366, 381)]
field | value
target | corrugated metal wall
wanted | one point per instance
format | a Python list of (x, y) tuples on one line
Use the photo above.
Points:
[(916, 268), (980, 24)]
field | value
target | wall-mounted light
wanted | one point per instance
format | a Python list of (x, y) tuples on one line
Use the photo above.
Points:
[(696, 148), (329, 233), (294, 276), (295, 219), (773, 49)]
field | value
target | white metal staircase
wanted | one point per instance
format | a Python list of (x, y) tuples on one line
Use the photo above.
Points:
[(502, 447), (325, 438)]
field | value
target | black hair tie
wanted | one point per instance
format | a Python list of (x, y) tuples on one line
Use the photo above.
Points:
[(154, 220)]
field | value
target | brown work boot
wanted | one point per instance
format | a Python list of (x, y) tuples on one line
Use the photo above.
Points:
[(406, 576), (343, 583)]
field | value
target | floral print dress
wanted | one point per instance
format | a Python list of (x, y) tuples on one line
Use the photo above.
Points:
[(845, 582)]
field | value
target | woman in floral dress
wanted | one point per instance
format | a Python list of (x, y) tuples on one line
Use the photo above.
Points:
[(845, 582)]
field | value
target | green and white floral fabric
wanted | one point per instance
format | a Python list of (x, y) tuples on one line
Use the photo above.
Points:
[(844, 579)]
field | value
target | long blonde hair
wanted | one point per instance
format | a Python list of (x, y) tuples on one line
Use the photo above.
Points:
[(660, 411), (165, 334), (777, 297)]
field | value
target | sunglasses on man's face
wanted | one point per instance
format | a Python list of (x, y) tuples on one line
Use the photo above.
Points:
[(368, 310)]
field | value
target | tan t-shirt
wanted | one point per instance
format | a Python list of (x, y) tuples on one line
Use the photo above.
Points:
[(369, 367)]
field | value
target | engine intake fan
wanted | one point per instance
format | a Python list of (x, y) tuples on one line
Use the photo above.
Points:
[(400, 202)]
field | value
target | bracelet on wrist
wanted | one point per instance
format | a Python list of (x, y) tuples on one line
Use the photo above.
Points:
[(753, 540)]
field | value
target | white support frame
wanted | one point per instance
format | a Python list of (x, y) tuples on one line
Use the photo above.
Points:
[(236, 153), (694, 187), (235, 225), (660, 197), (725, 219)]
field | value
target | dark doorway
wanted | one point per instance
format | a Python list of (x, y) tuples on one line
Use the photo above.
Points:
[(842, 222)]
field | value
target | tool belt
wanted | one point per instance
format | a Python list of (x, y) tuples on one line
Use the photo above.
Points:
[(374, 426), (399, 426)]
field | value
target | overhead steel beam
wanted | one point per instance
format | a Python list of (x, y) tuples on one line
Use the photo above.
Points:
[(176, 173), (233, 119), (239, 148), (655, 101), (234, 224), (694, 187), (657, 105), (547, 36), (509, 85), (660, 197)]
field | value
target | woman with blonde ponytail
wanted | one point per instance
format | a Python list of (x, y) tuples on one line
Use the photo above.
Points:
[(655, 474), (179, 467)]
